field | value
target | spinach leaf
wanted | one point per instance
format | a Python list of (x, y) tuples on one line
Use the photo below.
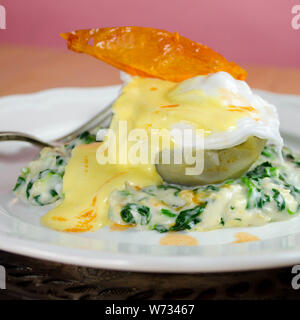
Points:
[(186, 219), (293, 189), (212, 187), (237, 219), (206, 188), (269, 152), (46, 173), (256, 198), (168, 213), (229, 181), (84, 138), (297, 163), (53, 193), (60, 160), (37, 200), (167, 187), (266, 154), (160, 228), (278, 198), (287, 154), (87, 138), (20, 182), (28, 188), (264, 170), (293, 212), (128, 216)]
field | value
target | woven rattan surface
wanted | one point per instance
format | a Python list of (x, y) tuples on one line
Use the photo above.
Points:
[(29, 278)]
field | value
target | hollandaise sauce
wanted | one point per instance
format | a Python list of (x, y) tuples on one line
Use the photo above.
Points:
[(90, 193)]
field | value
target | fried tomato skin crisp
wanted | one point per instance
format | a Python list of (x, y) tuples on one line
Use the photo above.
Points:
[(148, 52)]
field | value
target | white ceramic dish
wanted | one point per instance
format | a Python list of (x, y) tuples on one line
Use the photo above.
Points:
[(50, 114)]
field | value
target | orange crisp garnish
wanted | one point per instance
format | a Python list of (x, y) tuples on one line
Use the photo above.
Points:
[(178, 239), (242, 109), (85, 220), (148, 52), (86, 164), (94, 201), (245, 237), (79, 229)]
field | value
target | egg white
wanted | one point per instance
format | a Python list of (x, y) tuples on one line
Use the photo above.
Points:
[(232, 92)]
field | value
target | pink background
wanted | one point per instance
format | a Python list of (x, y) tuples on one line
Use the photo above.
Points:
[(245, 31)]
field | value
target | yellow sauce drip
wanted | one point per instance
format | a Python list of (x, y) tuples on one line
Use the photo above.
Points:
[(86, 192)]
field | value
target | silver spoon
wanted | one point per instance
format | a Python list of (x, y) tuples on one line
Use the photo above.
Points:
[(99, 119)]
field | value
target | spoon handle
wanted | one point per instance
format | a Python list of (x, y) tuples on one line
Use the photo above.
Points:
[(99, 119), (19, 136)]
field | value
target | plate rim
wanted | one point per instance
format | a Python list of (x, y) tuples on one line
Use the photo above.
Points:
[(140, 262)]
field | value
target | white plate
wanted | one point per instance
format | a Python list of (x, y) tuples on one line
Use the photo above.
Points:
[(52, 113)]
